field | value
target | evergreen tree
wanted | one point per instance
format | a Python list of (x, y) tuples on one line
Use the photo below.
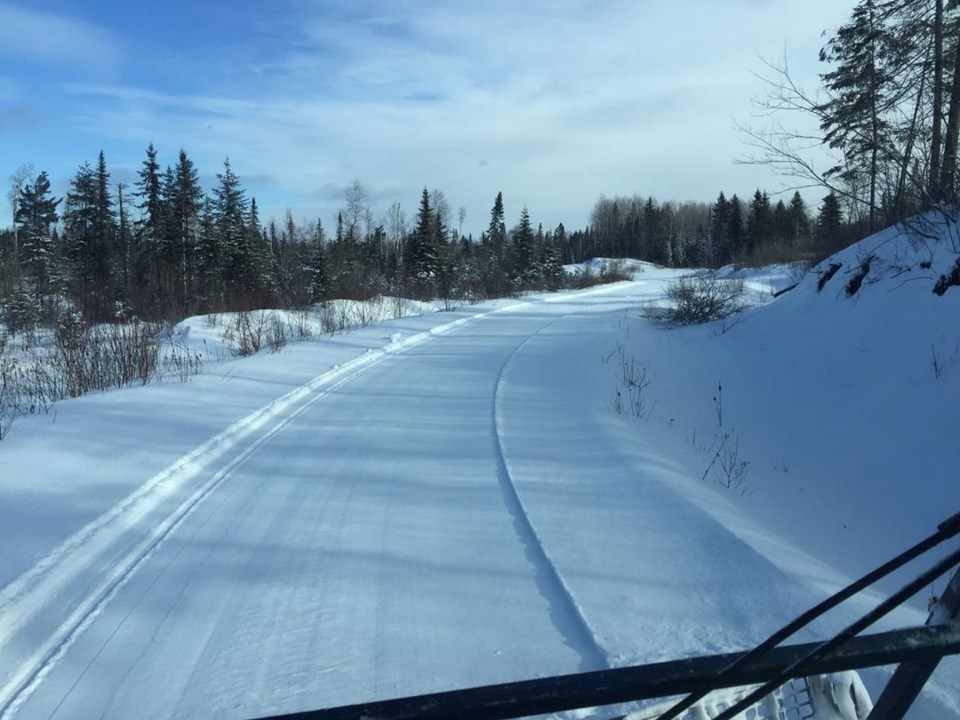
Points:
[(799, 221), (550, 262), (317, 283), (230, 207), (262, 279), (496, 236), (780, 224), (185, 202), (735, 233), (830, 224), (759, 222), (863, 91), (720, 228), (102, 255), (422, 256), (652, 239), (526, 273), (35, 219), (80, 235)]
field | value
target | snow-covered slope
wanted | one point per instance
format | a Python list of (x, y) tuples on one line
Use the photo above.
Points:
[(451, 499)]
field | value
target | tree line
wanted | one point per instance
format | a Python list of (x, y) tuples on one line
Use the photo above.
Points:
[(691, 234), (165, 249)]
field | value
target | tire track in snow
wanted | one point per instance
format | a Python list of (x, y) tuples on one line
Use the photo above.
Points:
[(107, 552), (104, 542), (564, 611), (98, 544)]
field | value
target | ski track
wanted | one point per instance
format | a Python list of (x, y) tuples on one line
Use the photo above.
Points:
[(566, 613), (39, 587), (104, 542)]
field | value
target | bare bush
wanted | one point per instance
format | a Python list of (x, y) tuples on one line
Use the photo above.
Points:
[(333, 318), (368, 311), (276, 333), (300, 325), (633, 379), (700, 299), (82, 359), (728, 467), (99, 358), (246, 333), (609, 273)]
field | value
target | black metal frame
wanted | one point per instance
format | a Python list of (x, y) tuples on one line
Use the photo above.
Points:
[(646, 682), (916, 650)]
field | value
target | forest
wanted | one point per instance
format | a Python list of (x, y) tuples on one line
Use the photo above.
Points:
[(164, 248)]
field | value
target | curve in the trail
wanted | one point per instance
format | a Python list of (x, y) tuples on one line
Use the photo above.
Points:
[(70, 588), (26, 597), (565, 612)]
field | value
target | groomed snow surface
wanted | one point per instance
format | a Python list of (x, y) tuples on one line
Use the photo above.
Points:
[(450, 499)]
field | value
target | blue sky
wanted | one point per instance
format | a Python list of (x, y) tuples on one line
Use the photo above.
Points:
[(551, 102)]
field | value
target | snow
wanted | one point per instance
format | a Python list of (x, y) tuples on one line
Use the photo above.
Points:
[(434, 500)]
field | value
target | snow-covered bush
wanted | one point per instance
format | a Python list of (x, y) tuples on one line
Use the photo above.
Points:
[(699, 299)]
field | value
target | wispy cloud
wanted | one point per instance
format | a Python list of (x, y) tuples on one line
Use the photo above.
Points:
[(553, 103), (56, 41)]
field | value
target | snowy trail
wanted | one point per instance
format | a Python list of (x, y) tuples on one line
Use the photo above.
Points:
[(367, 514), (73, 583), (611, 516), (566, 611), (86, 572), (459, 508)]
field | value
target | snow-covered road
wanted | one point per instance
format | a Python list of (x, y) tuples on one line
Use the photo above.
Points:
[(461, 507), (364, 540)]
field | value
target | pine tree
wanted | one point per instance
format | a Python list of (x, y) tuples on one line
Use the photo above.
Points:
[(553, 274), (494, 244), (735, 239), (759, 222), (799, 221), (261, 281), (863, 91), (720, 229), (651, 232), (317, 284), (185, 201), (80, 235), (421, 256), (102, 254), (35, 219), (780, 224), (230, 206), (830, 224), (526, 270)]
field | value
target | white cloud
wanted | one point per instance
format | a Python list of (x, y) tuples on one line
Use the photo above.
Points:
[(42, 38), (553, 103)]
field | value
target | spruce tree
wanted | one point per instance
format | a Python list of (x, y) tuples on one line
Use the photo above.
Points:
[(422, 257), (526, 272), (759, 222), (735, 233), (317, 282), (230, 206), (799, 221), (863, 92), (186, 200), (79, 239), (830, 224), (720, 229), (35, 219)]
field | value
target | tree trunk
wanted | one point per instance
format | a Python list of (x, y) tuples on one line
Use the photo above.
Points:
[(949, 168), (935, 191)]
